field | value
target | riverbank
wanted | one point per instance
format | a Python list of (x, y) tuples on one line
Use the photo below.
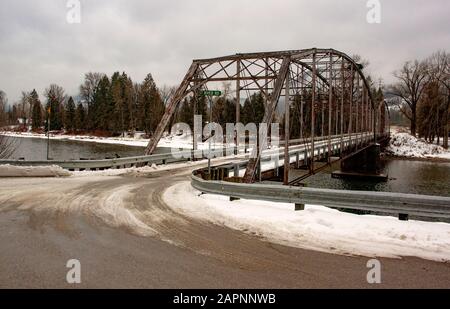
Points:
[(167, 141), (405, 146)]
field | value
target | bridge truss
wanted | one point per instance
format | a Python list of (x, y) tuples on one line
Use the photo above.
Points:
[(340, 100)]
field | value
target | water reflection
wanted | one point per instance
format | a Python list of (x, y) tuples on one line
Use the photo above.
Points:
[(420, 177)]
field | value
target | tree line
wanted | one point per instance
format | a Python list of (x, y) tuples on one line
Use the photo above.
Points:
[(422, 93), (105, 105)]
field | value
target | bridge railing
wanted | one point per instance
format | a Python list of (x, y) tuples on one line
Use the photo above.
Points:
[(400, 204), (171, 157)]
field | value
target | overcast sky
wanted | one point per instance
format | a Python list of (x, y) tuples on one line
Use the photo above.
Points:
[(39, 47)]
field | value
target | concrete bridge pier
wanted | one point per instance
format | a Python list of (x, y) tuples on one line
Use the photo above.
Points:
[(364, 164)]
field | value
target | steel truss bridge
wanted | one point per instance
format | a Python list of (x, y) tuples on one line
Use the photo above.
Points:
[(340, 100)]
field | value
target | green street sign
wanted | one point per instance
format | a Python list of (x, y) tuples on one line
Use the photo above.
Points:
[(212, 93)]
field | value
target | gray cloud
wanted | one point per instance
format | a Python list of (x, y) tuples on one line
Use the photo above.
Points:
[(39, 47)]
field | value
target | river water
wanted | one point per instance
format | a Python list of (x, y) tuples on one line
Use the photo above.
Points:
[(406, 176), (36, 149)]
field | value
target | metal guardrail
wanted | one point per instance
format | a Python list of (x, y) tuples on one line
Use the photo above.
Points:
[(383, 202), (117, 162)]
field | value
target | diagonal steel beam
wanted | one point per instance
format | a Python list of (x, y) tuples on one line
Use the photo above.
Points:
[(268, 118), (171, 107)]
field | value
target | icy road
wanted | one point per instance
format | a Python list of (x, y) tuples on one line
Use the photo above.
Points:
[(126, 236)]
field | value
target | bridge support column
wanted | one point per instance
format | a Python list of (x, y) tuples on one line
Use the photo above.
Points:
[(365, 164), (403, 217), (299, 207)]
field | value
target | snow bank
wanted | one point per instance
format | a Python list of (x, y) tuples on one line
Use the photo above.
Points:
[(317, 227), (169, 141), (142, 171), (406, 145), (32, 171)]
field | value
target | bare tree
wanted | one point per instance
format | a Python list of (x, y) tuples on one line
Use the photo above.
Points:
[(87, 89), (87, 93), (439, 71), (166, 93), (24, 107), (3, 104), (412, 79)]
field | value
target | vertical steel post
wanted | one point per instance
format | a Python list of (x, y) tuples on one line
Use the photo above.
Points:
[(313, 112), (357, 109), (342, 109), (194, 137), (287, 161), (238, 99), (302, 99), (350, 122), (330, 99), (363, 104)]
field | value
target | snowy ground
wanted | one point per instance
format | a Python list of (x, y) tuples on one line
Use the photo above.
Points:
[(406, 145), (170, 141), (317, 227), (140, 171), (32, 171)]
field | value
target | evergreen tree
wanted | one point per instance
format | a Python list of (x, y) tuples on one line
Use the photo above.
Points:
[(186, 113), (253, 110), (80, 117), (151, 106), (230, 111), (102, 106), (118, 123), (218, 111), (70, 115), (128, 102), (36, 111)]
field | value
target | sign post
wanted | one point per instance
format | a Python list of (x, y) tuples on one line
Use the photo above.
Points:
[(48, 132), (209, 94)]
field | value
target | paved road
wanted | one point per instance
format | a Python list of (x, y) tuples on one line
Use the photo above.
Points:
[(126, 237)]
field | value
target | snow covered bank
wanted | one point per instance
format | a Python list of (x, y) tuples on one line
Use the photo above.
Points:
[(142, 171), (32, 171), (406, 145), (169, 141), (317, 227)]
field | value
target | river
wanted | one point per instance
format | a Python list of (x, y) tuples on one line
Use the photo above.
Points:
[(405, 176), (61, 149)]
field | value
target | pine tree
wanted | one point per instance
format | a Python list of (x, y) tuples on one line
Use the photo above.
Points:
[(118, 123), (128, 102), (36, 112), (230, 111), (151, 106), (102, 106), (70, 115), (253, 110), (186, 113), (80, 117), (218, 111)]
